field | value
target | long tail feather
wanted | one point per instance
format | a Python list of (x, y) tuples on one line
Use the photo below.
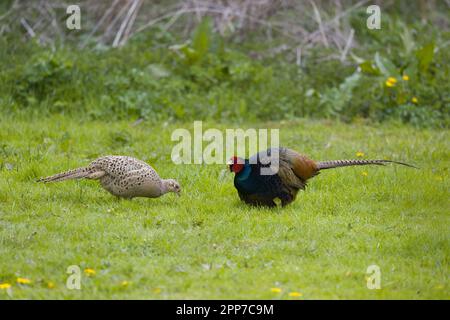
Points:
[(322, 165), (72, 174)]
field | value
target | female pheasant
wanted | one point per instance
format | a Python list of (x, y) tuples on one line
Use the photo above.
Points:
[(279, 173), (122, 176)]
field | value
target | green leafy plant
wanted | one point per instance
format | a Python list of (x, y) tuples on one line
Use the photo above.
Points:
[(399, 87)]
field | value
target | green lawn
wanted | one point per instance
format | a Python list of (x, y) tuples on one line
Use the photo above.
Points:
[(208, 245)]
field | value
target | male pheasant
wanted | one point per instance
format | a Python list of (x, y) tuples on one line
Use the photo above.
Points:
[(256, 187), (122, 176)]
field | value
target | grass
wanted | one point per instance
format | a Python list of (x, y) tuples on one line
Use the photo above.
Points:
[(208, 245)]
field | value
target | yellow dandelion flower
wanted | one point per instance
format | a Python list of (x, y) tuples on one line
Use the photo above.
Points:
[(364, 174), (125, 283), (275, 290), (23, 281), (389, 84), (157, 290), (89, 272), (392, 80), (5, 286), (50, 285), (414, 100), (295, 294), (360, 154), (405, 77)]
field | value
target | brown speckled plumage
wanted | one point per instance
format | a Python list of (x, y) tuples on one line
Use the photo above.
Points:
[(122, 176)]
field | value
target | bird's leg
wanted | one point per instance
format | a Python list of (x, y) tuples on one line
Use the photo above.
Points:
[(285, 198), (119, 198)]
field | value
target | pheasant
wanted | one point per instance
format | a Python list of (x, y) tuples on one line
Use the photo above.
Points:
[(122, 176), (257, 187)]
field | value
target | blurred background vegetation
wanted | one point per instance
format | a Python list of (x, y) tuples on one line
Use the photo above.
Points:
[(236, 60)]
